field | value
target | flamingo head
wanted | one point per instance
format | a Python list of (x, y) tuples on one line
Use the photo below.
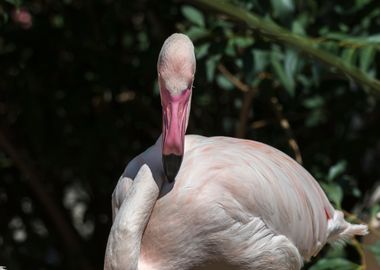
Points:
[(176, 69)]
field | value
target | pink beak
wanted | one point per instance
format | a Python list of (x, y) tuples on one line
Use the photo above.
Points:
[(174, 110)]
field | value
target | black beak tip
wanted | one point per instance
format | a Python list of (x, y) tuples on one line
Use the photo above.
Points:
[(172, 164)]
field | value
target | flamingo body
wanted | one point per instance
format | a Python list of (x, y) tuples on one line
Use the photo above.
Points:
[(237, 201), (192, 202)]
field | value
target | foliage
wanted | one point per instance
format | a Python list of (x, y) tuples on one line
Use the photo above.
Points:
[(78, 99)]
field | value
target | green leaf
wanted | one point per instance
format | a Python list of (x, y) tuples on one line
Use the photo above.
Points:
[(196, 33), (286, 80), (202, 50), (337, 169), (243, 42), (223, 24), (282, 8), (291, 64), (367, 56), (143, 41), (211, 64), (224, 83), (230, 48), (315, 118), (373, 39), (348, 55), (298, 28), (193, 15), (239, 63), (314, 102), (334, 264), (261, 60), (334, 192), (315, 75)]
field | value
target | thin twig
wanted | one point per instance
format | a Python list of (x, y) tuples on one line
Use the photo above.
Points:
[(244, 113), (284, 123), (249, 94), (269, 121), (233, 79), (64, 230), (259, 124)]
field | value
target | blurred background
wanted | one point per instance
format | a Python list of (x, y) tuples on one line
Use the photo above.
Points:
[(79, 99)]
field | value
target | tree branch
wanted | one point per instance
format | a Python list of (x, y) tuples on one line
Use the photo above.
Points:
[(233, 79), (249, 94), (284, 123), (306, 45)]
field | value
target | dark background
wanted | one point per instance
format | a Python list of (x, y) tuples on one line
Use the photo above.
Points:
[(79, 99)]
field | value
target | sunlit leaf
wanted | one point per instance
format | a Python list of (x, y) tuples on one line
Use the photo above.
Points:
[(337, 169)]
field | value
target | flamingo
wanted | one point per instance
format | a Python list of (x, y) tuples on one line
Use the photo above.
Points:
[(194, 202)]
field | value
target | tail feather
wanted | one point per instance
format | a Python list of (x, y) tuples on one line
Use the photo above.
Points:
[(340, 231)]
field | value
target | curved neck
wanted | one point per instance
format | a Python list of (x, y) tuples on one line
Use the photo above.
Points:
[(124, 241)]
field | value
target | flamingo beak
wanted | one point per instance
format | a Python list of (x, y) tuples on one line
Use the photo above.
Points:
[(172, 164), (175, 114)]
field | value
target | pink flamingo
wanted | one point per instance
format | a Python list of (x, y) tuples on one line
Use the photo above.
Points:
[(234, 204)]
